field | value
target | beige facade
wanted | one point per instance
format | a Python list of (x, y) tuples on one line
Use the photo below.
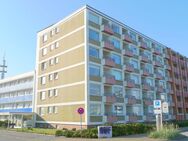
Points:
[(61, 72)]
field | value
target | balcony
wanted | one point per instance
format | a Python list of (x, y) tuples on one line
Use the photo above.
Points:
[(144, 58), (130, 83), (156, 52), (179, 104), (110, 99), (169, 91), (167, 67), (186, 104), (143, 45), (157, 63), (147, 87), (107, 29), (132, 100), (109, 80), (108, 45), (160, 89), (128, 52), (185, 94), (129, 67), (148, 101), (171, 103), (159, 76), (127, 38), (109, 62), (145, 72)]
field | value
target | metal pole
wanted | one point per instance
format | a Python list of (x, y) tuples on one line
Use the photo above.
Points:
[(157, 122), (8, 120), (161, 119), (81, 121)]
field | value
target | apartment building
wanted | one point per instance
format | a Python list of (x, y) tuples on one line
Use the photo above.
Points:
[(178, 84), (16, 96), (114, 72)]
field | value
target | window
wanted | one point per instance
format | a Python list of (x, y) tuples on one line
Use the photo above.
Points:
[(94, 70), (134, 63), (118, 91), (116, 28), (42, 95), (133, 36), (94, 18), (52, 47), (50, 93), (50, 110), (57, 30), (52, 32), (134, 49), (41, 111), (149, 67), (56, 76), (55, 92), (43, 80), (56, 44), (95, 109), (51, 62), (150, 81), (43, 66), (56, 60), (93, 35), (117, 75), (55, 109), (136, 94), (44, 51), (45, 38), (94, 52), (116, 43), (94, 89), (50, 77), (135, 78), (116, 58), (118, 109)]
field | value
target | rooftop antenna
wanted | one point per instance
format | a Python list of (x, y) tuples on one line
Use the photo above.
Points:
[(3, 68)]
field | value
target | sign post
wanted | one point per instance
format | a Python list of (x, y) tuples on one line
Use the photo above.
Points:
[(158, 112), (80, 112)]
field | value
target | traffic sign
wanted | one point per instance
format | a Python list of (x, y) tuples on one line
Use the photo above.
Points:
[(165, 107), (80, 111), (157, 103)]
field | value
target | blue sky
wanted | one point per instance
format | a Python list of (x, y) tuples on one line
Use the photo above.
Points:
[(163, 20)]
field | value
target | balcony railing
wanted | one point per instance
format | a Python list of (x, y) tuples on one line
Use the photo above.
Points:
[(130, 83), (110, 99), (127, 38), (143, 45), (109, 62), (157, 63), (157, 52), (132, 100), (160, 89), (108, 45), (147, 87), (144, 58), (148, 102), (128, 52), (145, 72), (129, 67), (107, 29), (159, 76), (108, 79)]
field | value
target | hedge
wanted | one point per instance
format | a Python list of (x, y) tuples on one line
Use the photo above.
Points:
[(117, 130)]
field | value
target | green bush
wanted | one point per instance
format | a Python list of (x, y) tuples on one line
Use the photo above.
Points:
[(4, 123), (59, 133), (168, 132), (117, 130)]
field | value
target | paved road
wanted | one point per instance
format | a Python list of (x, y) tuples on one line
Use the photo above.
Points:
[(19, 136)]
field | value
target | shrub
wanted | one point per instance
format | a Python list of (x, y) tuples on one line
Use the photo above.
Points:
[(4, 123), (59, 133), (168, 132)]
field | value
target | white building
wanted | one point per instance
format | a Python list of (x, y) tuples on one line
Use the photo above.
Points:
[(16, 98)]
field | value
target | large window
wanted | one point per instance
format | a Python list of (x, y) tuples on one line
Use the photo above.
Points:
[(94, 89), (94, 70), (93, 35), (116, 43), (118, 91), (149, 67), (134, 49), (116, 28), (133, 36), (150, 81), (94, 18), (134, 63), (43, 80), (94, 52), (117, 75), (116, 58), (135, 78), (95, 109)]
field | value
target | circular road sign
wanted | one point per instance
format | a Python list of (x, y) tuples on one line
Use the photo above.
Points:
[(80, 111)]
